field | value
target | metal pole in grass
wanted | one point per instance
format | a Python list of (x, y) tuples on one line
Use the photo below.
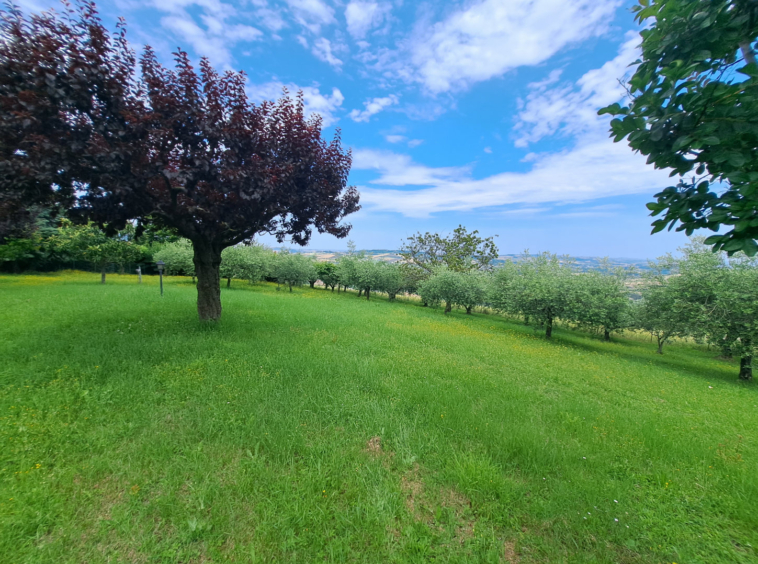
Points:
[(139, 273), (160, 264)]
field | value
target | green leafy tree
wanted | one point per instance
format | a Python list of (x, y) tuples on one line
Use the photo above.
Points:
[(19, 251), (292, 269), (391, 279), (600, 299), (461, 251), (368, 276), (178, 258), (327, 273), (659, 311), (694, 109), (90, 243), (245, 262), (717, 299), (347, 269), (452, 288), (538, 287)]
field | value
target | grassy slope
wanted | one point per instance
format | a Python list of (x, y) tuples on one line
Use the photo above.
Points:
[(130, 433)]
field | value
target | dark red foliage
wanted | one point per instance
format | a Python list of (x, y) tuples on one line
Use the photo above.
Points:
[(83, 125)]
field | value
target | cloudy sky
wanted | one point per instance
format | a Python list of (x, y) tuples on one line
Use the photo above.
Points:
[(479, 112)]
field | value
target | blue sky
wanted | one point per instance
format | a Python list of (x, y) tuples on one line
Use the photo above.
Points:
[(481, 113)]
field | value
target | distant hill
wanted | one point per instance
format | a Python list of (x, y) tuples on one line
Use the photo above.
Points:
[(583, 263)]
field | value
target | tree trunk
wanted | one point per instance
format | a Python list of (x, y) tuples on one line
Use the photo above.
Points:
[(312, 283), (332, 288), (290, 284), (468, 310), (746, 362), (526, 320), (607, 335), (448, 307), (549, 327), (391, 297), (102, 274), (193, 278), (368, 293), (360, 292), (207, 261), (228, 282), (746, 368), (660, 344)]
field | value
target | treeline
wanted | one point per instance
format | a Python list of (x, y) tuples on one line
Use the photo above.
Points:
[(701, 295), (55, 245)]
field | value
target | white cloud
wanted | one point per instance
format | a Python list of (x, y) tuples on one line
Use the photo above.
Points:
[(213, 41), (400, 170), (491, 37), (372, 107), (415, 143), (598, 168), (322, 49), (311, 14), (213, 32), (395, 138), (362, 17), (571, 109), (488, 150), (326, 105), (594, 167)]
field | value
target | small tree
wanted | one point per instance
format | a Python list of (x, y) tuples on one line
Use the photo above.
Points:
[(717, 299), (658, 312), (391, 279), (368, 276), (451, 288), (177, 257), (538, 287), (347, 269), (90, 243), (327, 273), (600, 299), (292, 269), (461, 252)]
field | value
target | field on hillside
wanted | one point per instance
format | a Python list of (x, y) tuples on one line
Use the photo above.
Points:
[(316, 427)]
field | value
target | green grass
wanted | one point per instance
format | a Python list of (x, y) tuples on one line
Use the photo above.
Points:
[(316, 427)]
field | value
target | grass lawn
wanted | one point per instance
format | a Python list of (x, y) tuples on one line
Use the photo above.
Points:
[(317, 427)]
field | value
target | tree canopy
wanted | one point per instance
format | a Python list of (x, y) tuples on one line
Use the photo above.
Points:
[(461, 251), (693, 109), (82, 125)]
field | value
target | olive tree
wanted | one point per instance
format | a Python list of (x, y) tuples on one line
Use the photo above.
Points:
[(600, 299), (391, 279), (538, 287), (327, 273), (177, 258), (451, 288), (90, 243), (292, 269)]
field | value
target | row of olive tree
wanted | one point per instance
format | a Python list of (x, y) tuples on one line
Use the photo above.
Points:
[(704, 295)]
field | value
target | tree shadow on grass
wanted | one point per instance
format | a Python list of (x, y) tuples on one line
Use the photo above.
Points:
[(680, 357)]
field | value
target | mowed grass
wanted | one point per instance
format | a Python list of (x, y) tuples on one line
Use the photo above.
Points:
[(317, 427)]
